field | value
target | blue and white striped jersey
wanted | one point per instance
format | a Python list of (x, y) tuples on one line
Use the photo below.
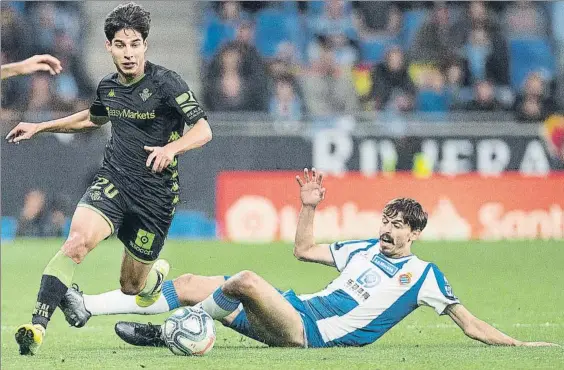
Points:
[(373, 293)]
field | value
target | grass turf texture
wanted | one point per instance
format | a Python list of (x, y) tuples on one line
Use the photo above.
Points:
[(517, 286)]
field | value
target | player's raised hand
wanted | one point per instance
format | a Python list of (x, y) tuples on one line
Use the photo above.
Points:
[(23, 131), (159, 156), (312, 191), (45, 62)]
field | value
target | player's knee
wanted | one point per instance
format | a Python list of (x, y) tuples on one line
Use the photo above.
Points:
[(130, 287), (76, 247), (245, 282)]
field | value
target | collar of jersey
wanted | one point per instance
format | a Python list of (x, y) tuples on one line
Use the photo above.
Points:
[(395, 260), (137, 79), (398, 262)]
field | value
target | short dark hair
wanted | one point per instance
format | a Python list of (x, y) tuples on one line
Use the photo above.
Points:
[(412, 212), (127, 16)]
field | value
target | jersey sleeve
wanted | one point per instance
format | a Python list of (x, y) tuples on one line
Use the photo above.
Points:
[(344, 251), (436, 292), (98, 113), (182, 99)]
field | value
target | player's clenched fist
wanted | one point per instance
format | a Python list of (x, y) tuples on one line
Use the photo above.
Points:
[(160, 157), (311, 190), (23, 131)]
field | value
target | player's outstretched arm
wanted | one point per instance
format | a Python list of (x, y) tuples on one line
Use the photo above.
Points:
[(484, 332), (36, 63), (161, 156), (77, 122), (312, 193)]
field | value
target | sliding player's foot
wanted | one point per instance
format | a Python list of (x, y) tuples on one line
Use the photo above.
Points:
[(145, 300), (29, 338), (73, 307), (138, 334)]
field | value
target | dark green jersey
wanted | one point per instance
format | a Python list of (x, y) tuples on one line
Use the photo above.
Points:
[(151, 111)]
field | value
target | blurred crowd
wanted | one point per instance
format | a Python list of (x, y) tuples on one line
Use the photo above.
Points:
[(40, 217), (55, 28), (317, 58)]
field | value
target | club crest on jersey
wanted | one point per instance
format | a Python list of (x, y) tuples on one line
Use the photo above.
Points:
[(145, 94), (112, 93), (405, 279)]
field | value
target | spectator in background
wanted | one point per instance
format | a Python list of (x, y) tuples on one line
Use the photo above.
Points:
[(485, 60), (484, 98), (16, 38), (36, 220), (42, 16), (434, 42), (477, 15), (74, 85), (231, 13), (432, 96), (327, 85), (534, 104), (230, 91), (525, 19), (391, 78), (252, 64), (285, 65), (479, 31), (335, 21), (457, 78), (378, 18), (56, 30), (285, 104), (286, 61), (43, 100)]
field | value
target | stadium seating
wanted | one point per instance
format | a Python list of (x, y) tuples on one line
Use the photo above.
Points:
[(272, 28), (529, 55), (216, 34), (373, 51)]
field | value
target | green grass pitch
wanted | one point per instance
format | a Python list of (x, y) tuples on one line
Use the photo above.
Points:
[(517, 286)]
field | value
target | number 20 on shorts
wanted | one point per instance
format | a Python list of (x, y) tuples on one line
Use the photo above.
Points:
[(109, 189)]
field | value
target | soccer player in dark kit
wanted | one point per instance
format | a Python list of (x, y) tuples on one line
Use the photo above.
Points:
[(136, 190)]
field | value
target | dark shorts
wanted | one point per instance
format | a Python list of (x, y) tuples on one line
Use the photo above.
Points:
[(312, 335), (141, 221)]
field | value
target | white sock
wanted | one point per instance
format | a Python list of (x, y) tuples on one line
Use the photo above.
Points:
[(115, 302), (218, 305)]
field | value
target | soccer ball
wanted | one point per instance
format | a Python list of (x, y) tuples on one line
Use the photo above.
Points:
[(189, 332)]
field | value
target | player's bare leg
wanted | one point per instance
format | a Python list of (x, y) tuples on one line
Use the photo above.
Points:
[(271, 316), (143, 279), (192, 289), (88, 228), (186, 290)]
